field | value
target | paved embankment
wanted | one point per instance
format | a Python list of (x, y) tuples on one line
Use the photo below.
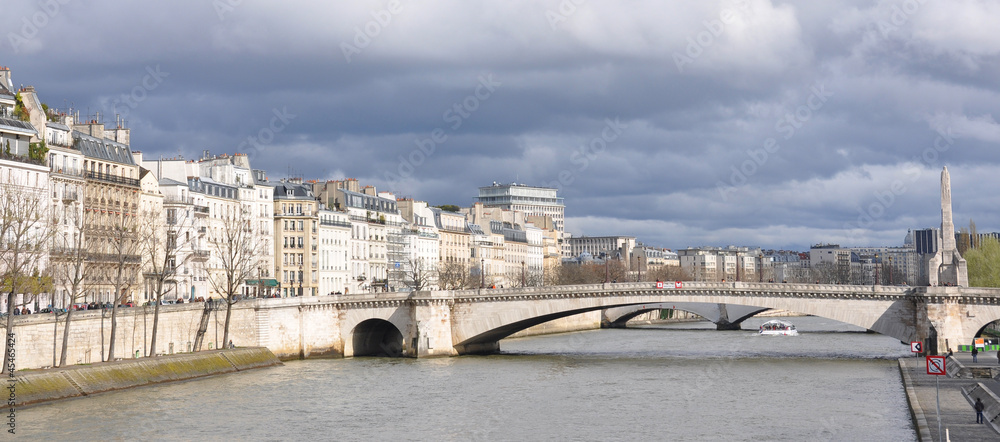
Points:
[(83, 380), (957, 415)]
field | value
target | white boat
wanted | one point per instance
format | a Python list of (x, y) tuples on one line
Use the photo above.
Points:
[(779, 328)]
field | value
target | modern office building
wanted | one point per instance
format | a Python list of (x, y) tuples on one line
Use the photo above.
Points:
[(527, 199)]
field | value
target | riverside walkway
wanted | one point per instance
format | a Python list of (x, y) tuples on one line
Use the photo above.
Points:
[(957, 414)]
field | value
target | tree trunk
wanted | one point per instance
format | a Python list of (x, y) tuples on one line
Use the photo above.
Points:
[(225, 333), (114, 327), (156, 322), (10, 331), (65, 342)]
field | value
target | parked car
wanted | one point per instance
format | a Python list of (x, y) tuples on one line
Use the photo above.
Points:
[(180, 300), (166, 302), (79, 306)]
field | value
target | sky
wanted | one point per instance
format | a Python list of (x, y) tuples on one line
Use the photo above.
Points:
[(689, 123)]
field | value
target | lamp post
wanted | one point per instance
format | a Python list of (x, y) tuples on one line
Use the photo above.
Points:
[(760, 267), (482, 273), (300, 280), (875, 282), (522, 274)]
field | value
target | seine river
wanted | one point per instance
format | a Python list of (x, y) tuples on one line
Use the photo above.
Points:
[(676, 382)]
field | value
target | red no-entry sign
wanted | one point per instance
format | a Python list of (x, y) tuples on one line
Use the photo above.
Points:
[(936, 365)]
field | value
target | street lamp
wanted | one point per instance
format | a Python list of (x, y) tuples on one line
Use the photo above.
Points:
[(875, 282), (760, 267), (522, 274), (482, 273)]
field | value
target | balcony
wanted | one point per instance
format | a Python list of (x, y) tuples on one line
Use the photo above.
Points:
[(170, 199), (74, 172), (200, 255), (68, 195), (202, 230), (201, 211), (113, 179), (335, 223)]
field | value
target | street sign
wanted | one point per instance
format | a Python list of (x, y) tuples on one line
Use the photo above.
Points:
[(916, 347), (659, 284), (678, 285), (936, 365), (980, 342)]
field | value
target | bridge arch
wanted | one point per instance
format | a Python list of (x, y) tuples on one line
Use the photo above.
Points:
[(726, 317), (377, 337), (497, 315), (377, 329)]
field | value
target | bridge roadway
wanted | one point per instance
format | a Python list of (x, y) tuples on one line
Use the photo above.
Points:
[(446, 323)]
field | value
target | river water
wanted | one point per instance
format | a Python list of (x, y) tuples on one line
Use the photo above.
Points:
[(673, 382)]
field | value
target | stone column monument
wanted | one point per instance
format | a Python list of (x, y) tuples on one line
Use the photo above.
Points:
[(947, 267)]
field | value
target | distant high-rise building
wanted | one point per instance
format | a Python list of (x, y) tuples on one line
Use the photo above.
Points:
[(528, 199)]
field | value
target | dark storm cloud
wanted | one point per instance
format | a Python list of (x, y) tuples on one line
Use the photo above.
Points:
[(745, 122)]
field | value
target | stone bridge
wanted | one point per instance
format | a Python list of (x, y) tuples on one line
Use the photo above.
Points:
[(447, 323), (473, 321)]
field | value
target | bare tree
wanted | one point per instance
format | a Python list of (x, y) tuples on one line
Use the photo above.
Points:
[(24, 235), (417, 274), (160, 244), (72, 269), (670, 273), (239, 249), (122, 253), (454, 275)]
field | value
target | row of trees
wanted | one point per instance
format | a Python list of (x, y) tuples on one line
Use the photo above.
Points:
[(39, 253)]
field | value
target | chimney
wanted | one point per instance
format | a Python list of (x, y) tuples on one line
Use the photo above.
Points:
[(5, 78)]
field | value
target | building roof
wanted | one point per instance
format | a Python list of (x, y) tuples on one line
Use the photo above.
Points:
[(103, 149), (55, 125), (15, 125), (285, 191), (170, 182)]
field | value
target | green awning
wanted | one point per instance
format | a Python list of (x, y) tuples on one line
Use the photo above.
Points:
[(265, 282)]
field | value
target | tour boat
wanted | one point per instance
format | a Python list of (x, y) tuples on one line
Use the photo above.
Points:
[(780, 328)]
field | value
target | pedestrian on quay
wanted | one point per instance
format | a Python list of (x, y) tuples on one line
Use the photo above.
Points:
[(975, 353), (998, 356), (979, 411)]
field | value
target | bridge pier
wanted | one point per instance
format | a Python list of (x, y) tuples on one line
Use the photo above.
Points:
[(482, 348), (724, 324), (430, 333)]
